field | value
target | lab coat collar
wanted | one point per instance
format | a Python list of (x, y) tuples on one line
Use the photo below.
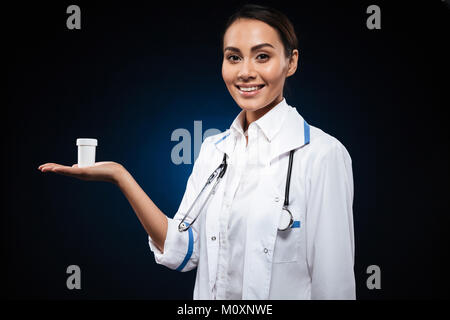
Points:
[(270, 123), (292, 136), (295, 134), (236, 127)]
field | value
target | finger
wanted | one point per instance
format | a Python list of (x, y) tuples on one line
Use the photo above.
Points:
[(51, 167), (75, 165), (47, 167), (46, 164)]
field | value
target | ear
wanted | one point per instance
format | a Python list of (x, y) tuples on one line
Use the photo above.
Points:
[(293, 62)]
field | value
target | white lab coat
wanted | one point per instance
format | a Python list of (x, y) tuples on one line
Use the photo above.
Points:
[(314, 261)]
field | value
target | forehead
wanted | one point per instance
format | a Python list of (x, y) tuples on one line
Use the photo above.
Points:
[(245, 33)]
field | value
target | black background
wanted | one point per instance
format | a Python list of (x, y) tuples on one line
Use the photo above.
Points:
[(136, 71)]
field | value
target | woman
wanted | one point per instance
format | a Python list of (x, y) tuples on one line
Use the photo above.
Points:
[(244, 244)]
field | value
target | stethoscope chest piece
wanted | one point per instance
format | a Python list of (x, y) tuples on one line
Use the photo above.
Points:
[(286, 219), (182, 227)]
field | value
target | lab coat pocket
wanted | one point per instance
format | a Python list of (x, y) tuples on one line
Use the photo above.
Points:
[(287, 246)]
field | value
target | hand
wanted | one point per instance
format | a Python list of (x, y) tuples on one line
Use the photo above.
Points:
[(101, 171)]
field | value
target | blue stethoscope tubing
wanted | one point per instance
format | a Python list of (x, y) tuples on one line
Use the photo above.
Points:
[(286, 215)]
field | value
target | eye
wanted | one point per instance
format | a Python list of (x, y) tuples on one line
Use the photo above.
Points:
[(262, 56), (233, 58)]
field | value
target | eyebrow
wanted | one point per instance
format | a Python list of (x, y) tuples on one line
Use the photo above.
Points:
[(254, 48)]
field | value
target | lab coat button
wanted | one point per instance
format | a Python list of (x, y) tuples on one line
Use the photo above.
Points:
[(277, 199), (213, 238), (266, 250)]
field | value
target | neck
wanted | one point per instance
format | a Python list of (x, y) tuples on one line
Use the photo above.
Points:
[(251, 116)]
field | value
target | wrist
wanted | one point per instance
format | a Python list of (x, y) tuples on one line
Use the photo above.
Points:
[(120, 175)]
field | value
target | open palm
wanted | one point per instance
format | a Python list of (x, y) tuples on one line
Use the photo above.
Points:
[(100, 171)]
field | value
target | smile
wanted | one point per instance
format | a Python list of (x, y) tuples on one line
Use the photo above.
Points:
[(250, 91)]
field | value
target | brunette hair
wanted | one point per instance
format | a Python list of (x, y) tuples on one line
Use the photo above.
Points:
[(272, 17)]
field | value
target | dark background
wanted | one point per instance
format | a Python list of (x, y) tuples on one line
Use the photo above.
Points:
[(137, 71)]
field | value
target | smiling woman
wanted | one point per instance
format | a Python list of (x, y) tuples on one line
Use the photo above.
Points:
[(246, 243), (260, 51)]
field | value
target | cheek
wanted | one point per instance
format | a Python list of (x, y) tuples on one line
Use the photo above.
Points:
[(273, 73), (227, 74)]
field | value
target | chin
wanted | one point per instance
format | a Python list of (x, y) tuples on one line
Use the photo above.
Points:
[(250, 104)]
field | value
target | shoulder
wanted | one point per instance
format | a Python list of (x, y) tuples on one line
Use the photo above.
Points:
[(211, 143), (324, 146), (215, 139), (321, 144)]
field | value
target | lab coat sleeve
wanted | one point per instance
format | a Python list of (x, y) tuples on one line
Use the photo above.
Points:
[(330, 237), (177, 245)]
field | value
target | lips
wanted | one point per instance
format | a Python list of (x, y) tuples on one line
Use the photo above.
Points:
[(247, 87), (249, 90)]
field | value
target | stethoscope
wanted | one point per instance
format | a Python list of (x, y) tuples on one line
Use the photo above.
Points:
[(286, 219)]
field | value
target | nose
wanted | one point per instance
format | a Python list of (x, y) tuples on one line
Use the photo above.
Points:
[(246, 71)]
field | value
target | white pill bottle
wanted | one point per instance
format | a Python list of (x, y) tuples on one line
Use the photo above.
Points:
[(86, 152)]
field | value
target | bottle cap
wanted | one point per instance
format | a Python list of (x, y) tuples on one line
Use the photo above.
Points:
[(86, 142)]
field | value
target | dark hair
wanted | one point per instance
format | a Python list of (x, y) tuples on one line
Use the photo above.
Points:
[(272, 17)]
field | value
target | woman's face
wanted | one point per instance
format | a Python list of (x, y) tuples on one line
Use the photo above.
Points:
[(254, 66)]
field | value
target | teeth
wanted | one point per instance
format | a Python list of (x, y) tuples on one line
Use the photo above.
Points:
[(248, 89)]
